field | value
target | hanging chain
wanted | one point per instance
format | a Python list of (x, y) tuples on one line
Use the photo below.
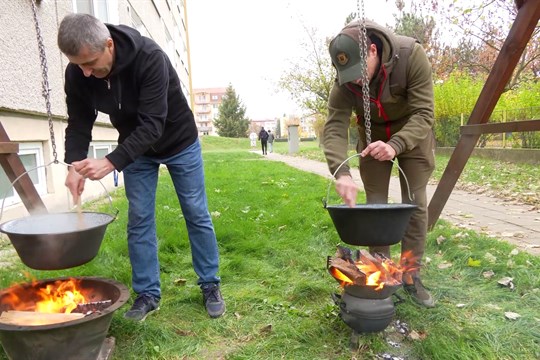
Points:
[(45, 84), (362, 40)]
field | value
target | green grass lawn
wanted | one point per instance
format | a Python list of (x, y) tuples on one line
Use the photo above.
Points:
[(274, 237)]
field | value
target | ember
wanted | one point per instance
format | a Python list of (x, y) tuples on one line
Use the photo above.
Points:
[(364, 269)]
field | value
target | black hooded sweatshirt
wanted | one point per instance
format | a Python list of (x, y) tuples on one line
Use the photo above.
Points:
[(141, 95)]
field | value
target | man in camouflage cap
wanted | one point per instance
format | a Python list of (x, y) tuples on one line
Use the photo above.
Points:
[(401, 120)]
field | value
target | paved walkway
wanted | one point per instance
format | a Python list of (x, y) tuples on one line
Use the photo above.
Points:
[(515, 223)]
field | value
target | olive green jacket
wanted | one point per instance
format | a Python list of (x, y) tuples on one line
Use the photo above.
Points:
[(401, 101)]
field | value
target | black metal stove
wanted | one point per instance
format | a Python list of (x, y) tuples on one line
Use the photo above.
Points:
[(364, 308), (80, 339)]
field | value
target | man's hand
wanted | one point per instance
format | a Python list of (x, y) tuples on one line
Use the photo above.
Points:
[(347, 189), (75, 184), (379, 150), (93, 169)]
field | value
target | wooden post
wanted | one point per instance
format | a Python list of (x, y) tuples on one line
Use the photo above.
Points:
[(13, 167), (520, 33)]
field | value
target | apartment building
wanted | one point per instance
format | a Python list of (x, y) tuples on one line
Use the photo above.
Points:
[(206, 108), (23, 112), (268, 124)]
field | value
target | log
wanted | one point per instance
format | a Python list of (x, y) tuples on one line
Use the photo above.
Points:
[(376, 262), (349, 270), (32, 318)]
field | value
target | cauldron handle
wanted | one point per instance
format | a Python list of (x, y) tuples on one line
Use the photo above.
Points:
[(54, 162), (325, 200)]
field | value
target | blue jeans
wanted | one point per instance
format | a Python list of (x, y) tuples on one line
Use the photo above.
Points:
[(140, 180)]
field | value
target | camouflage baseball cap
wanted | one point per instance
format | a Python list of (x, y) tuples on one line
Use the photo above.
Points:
[(345, 54)]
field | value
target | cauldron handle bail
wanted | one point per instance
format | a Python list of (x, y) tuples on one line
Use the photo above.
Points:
[(114, 213), (325, 200)]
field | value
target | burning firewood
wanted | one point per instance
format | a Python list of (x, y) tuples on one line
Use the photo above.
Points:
[(349, 270), (32, 318), (345, 254), (361, 268), (376, 261), (92, 307)]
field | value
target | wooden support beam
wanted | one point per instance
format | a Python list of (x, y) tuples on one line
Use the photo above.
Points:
[(13, 167), (499, 128), (9, 148), (520, 33)]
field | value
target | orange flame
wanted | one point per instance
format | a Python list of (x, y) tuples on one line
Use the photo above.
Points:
[(339, 276), (62, 296), (384, 272), (57, 298)]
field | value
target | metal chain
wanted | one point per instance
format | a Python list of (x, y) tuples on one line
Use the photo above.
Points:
[(45, 84), (362, 40)]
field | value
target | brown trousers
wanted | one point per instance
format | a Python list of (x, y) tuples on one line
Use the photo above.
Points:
[(417, 164)]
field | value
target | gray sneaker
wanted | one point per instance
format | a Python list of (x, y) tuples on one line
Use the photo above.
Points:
[(416, 290), (143, 306), (212, 299)]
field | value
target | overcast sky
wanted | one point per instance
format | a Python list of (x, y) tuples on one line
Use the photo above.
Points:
[(250, 43)]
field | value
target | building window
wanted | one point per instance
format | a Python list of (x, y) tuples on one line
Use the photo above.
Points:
[(98, 150), (215, 97), (31, 155), (102, 9)]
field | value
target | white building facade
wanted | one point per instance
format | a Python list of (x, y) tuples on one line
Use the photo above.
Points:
[(23, 112)]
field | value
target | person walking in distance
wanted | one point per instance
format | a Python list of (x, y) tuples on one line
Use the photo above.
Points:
[(401, 120), (263, 136), (270, 141), (116, 70)]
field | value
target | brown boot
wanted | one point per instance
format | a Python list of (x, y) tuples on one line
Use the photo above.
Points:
[(416, 290)]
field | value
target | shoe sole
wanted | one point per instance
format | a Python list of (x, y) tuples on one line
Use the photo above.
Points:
[(216, 316), (144, 317)]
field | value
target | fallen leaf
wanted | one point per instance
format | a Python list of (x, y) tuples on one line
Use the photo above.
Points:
[(488, 274), (507, 282), (474, 263), (237, 316), (440, 240), (459, 306), (511, 315), (414, 335), (184, 332), (266, 329), (514, 252), (282, 227), (444, 265), (490, 258), (215, 214), (180, 282)]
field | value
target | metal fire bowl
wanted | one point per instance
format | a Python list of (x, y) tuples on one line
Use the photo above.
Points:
[(72, 340), (369, 292), (371, 224), (57, 241)]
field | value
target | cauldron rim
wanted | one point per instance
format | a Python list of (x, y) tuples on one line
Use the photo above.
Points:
[(122, 299), (10, 227)]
